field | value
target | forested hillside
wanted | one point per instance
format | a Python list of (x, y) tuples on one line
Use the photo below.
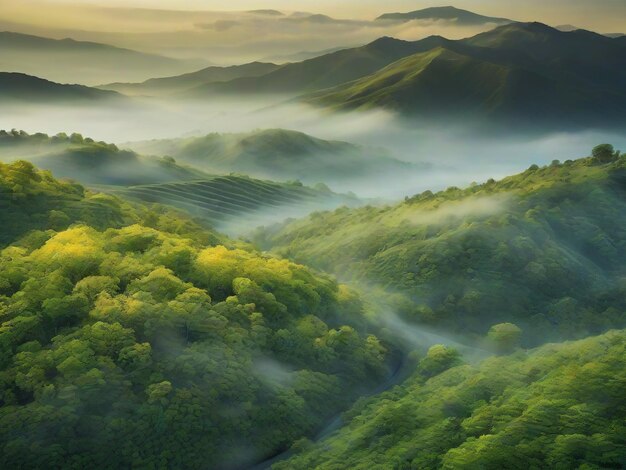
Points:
[(542, 249), (133, 337), (560, 406)]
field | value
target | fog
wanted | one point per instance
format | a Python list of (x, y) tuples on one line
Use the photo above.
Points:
[(456, 156)]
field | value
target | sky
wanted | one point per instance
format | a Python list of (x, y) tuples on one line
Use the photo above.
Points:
[(608, 15)]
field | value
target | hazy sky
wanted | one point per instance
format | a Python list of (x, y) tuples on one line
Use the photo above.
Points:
[(607, 15)]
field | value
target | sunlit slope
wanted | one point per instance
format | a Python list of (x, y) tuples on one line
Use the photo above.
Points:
[(276, 154), (90, 162), (177, 84), (22, 88), (526, 73), (69, 61), (542, 249), (324, 71), (136, 338), (237, 202), (558, 406)]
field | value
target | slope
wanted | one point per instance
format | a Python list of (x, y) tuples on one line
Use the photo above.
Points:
[(128, 338), (277, 154), (524, 73), (324, 71), (459, 16), (180, 83), (84, 62), (541, 249), (558, 406), (21, 88), (90, 162), (235, 204)]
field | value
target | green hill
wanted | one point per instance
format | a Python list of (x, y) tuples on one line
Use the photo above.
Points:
[(529, 74), (320, 72), (128, 334), (180, 83), (91, 162), (233, 203), (237, 203), (460, 17), (21, 88), (558, 406), (541, 249), (277, 154), (70, 61)]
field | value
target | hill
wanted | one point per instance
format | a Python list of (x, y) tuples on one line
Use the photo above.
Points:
[(180, 83), (129, 333), (541, 249), (91, 162), (234, 203), (21, 88), (70, 61), (320, 72), (460, 17), (277, 154), (561, 405), (530, 74)]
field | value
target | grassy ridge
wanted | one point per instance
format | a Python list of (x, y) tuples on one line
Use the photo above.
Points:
[(542, 249)]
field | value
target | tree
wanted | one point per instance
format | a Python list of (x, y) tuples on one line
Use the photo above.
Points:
[(504, 337), (604, 153)]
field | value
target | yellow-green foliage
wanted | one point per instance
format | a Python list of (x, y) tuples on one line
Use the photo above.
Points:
[(542, 249), (560, 406), (160, 346)]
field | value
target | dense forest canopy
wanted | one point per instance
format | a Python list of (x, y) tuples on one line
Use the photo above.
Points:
[(132, 337), (542, 249)]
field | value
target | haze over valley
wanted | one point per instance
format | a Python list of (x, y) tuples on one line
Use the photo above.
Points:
[(312, 235)]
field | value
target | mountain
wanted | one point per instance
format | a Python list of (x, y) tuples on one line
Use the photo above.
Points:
[(560, 405), (277, 154), (302, 55), (523, 73), (126, 327), (70, 61), (21, 88), (541, 249), (460, 17), (320, 72), (180, 83)]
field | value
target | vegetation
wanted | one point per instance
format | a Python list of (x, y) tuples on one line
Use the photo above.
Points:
[(559, 406), (277, 154), (234, 203), (527, 73), (185, 82), (91, 162), (22, 88), (133, 338), (541, 249)]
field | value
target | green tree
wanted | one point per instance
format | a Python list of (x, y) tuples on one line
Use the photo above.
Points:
[(504, 337)]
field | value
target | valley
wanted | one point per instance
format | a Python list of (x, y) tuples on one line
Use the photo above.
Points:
[(367, 236)]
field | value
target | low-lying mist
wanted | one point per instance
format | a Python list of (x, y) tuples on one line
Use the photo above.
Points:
[(456, 155)]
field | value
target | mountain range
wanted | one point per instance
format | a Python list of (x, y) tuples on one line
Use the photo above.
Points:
[(22, 88), (91, 63), (521, 72)]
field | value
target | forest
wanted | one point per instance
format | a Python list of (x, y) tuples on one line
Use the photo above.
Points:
[(268, 235)]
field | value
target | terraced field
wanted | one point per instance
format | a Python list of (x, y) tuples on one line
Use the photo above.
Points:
[(233, 203)]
